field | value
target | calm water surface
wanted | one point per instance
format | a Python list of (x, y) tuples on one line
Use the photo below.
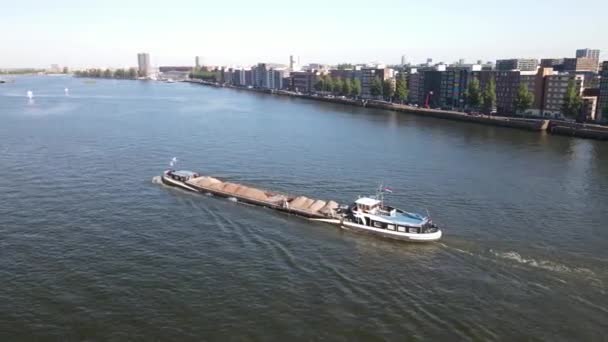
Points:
[(91, 249)]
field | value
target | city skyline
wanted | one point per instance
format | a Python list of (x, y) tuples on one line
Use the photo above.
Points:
[(108, 34)]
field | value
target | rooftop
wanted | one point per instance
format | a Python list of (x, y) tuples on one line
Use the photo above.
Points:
[(367, 201), (184, 173)]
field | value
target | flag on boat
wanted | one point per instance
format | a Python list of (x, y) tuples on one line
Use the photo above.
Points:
[(173, 161), (389, 190)]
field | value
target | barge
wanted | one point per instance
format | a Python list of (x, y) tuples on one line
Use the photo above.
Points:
[(365, 215)]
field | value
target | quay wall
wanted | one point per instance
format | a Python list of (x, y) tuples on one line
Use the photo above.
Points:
[(538, 125)]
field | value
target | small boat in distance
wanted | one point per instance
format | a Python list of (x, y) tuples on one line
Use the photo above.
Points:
[(365, 215)]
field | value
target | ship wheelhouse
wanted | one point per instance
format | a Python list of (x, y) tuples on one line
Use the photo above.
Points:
[(371, 212)]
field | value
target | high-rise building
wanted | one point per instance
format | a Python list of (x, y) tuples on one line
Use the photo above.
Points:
[(292, 63), (588, 53), (602, 101), (521, 64), (403, 60), (143, 64), (581, 64), (554, 63), (197, 61)]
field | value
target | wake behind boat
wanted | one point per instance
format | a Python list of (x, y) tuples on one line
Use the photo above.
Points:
[(365, 215)]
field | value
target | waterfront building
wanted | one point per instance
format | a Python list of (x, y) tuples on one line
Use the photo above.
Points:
[(521, 64), (303, 81), (454, 83), (555, 91), (249, 77), (143, 64), (239, 77), (174, 68), (342, 73), (227, 75), (197, 62), (403, 60), (507, 86), (425, 84), (55, 69), (275, 78), (260, 75), (602, 103), (589, 108), (414, 86), (580, 64), (556, 63), (368, 75)]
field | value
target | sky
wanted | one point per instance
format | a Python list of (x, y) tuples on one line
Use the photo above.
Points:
[(110, 33)]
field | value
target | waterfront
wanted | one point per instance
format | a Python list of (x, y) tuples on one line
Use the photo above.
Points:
[(92, 249)]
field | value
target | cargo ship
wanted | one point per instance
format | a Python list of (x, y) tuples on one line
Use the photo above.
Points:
[(366, 215)]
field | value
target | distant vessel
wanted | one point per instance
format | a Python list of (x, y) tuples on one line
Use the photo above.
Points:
[(365, 215)]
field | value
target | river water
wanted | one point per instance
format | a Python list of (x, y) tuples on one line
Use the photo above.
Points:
[(92, 249)]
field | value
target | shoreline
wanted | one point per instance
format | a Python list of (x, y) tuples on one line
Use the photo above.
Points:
[(553, 127)]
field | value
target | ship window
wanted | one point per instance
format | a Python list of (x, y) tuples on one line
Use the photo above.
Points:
[(377, 224), (401, 229), (412, 230), (391, 227)]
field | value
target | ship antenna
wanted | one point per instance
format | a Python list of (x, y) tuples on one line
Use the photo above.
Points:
[(380, 194)]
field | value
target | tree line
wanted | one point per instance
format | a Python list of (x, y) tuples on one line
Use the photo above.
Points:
[(390, 90), (486, 100), (338, 86), (481, 100), (204, 75), (130, 73)]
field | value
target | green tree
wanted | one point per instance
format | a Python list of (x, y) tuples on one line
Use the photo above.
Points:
[(489, 97), (388, 90), (65, 70), (474, 94), (344, 66), (572, 101), (338, 85), (356, 88), (376, 87), (132, 73), (107, 73), (523, 99), (119, 73), (329, 83), (320, 84), (401, 91), (347, 87)]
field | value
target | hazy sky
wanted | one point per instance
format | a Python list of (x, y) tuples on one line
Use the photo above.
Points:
[(37, 33)]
